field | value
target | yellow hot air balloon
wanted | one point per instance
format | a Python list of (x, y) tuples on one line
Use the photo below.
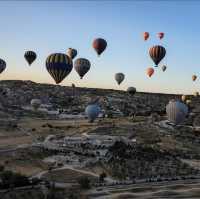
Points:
[(188, 101)]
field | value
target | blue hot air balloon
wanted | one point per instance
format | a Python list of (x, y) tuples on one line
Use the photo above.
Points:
[(92, 111)]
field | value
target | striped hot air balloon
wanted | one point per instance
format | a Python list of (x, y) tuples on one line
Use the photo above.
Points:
[(157, 53), (145, 36), (176, 111), (71, 52), (99, 45), (30, 56), (119, 77), (82, 66), (59, 66), (2, 65)]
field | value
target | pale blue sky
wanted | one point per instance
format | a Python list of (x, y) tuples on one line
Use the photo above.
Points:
[(53, 26)]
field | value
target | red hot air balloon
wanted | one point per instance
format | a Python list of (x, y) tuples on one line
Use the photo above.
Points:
[(150, 71), (161, 35), (99, 45), (145, 36)]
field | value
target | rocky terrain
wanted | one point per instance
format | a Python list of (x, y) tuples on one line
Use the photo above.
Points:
[(159, 151)]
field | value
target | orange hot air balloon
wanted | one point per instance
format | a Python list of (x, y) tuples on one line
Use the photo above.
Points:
[(161, 35), (145, 36), (99, 45), (150, 71), (194, 77)]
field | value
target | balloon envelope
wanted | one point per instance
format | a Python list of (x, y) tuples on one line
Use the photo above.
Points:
[(2, 65), (194, 77), (157, 53), (161, 35), (30, 56), (59, 66), (196, 94), (92, 111), (35, 103), (131, 90), (150, 71), (145, 36), (82, 66), (164, 68), (99, 45), (176, 112), (119, 77), (71, 52)]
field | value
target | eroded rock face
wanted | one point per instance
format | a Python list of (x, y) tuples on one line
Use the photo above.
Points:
[(19, 93)]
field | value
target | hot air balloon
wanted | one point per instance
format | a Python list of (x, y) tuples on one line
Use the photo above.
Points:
[(82, 66), (30, 56), (150, 71), (131, 90), (59, 66), (2, 65), (196, 94), (71, 52), (157, 53), (35, 103), (184, 98), (161, 35), (164, 68), (194, 77), (92, 111), (145, 36), (119, 77), (188, 102), (176, 111), (99, 45)]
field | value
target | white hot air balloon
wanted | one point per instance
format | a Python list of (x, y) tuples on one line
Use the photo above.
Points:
[(176, 111)]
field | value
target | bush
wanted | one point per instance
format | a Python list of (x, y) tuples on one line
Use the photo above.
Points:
[(84, 182)]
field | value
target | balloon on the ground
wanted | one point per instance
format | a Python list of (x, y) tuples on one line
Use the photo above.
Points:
[(131, 90), (176, 111), (145, 36), (92, 111), (194, 77), (161, 35), (36, 103), (196, 94), (30, 56), (71, 52), (82, 66), (188, 102), (119, 77), (157, 53), (184, 98), (2, 65), (99, 45), (150, 71), (164, 68), (59, 66)]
